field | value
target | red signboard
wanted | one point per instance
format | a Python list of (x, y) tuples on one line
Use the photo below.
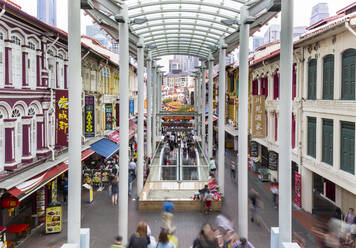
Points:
[(62, 117), (297, 189)]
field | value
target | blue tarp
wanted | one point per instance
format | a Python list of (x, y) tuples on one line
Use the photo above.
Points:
[(105, 147)]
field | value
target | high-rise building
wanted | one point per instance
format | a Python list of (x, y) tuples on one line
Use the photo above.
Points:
[(319, 12), (183, 63), (273, 33), (94, 31), (298, 31), (47, 11), (257, 41)]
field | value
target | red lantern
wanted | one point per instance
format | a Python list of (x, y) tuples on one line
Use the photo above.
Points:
[(10, 202)]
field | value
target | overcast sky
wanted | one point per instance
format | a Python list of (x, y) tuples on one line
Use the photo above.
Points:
[(302, 13)]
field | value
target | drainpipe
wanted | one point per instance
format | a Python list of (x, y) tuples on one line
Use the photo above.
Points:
[(347, 25), (3, 10)]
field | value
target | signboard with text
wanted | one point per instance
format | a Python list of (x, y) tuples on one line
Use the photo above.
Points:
[(297, 189), (132, 106), (89, 115), (258, 116), (108, 116), (62, 117)]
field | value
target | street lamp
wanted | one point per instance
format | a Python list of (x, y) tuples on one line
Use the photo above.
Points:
[(151, 46), (139, 20), (229, 22)]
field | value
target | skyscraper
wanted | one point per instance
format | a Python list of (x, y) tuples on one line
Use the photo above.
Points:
[(183, 63), (47, 11), (273, 33), (319, 12), (257, 41)]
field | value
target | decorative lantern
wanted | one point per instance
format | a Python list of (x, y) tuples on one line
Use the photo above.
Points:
[(10, 202)]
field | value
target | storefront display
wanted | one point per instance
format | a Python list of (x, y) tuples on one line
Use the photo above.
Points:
[(40, 203), (273, 160), (54, 219), (254, 149), (108, 117)]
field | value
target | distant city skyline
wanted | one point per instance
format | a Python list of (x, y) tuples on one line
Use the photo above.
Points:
[(47, 11)]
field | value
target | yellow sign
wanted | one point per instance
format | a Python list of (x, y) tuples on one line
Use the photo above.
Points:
[(91, 195), (258, 116), (54, 219)]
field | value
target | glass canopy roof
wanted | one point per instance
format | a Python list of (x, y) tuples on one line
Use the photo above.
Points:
[(187, 27)]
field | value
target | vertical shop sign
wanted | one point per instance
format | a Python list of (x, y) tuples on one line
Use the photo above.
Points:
[(258, 116), (54, 191), (117, 114), (297, 189), (132, 106), (40, 203), (62, 117), (89, 115), (108, 116)]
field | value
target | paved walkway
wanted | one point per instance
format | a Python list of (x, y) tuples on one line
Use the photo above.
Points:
[(102, 219)]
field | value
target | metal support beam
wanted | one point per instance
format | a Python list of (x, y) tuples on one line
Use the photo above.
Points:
[(203, 83), (221, 121), (75, 117), (210, 104), (284, 129), (243, 128), (154, 106), (124, 123), (149, 105), (140, 145)]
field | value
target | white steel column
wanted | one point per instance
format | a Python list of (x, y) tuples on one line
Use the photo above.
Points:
[(140, 145), (284, 129), (196, 102), (154, 106), (157, 103), (159, 91), (75, 117), (243, 127), (221, 123), (124, 123), (210, 104), (203, 83), (149, 105)]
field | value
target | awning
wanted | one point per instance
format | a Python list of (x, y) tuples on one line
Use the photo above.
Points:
[(214, 119), (87, 153), (22, 190), (115, 137), (105, 147)]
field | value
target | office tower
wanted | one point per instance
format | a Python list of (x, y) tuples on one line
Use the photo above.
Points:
[(47, 11), (319, 12), (257, 42)]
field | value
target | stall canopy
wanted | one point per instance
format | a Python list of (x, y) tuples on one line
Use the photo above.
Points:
[(214, 119), (105, 147)]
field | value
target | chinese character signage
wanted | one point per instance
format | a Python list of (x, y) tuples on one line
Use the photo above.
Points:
[(62, 117), (108, 116), (132, 106), (297, 189), (258, 116), (117, 114), (89, 122)]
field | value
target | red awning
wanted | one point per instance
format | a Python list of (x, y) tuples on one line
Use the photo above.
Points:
[(115, 137), (24, 189), (214, 119)]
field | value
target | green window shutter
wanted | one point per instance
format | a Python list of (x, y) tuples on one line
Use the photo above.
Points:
[(237, 87), (328, 77), (348, 75), (327, 141), (347, 153), (312, 79), (311, 136), (232, 83)]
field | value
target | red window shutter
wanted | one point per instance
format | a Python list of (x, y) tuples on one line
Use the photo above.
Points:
[(293, 131), (275, 127), (266, 120), (276, 86), (255, 87), (266, 86), (294, 84)]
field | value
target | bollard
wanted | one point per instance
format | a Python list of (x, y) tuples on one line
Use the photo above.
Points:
[(290, 245), (274, 237), (70, 246), (84, 237)]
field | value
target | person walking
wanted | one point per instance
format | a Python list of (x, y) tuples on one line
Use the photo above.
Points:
[(114, 188), (208, 238), (243, 243), (118, 243), (254, 201), (163, 241), (274, 190), (349, 217), (168, 208), (212, 165), (132, 175), (233, 170), (139, 239)]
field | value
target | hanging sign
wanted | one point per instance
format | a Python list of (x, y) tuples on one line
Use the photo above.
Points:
[(108, 116), (258, 116), (297, 189), (132, 106), (89, 122), (62, 117)]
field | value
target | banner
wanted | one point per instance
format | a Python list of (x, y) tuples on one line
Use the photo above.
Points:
[(89, 115), (132, 106), (108, 116), (258, 116), (117, 114), (297, 189), (62, 117)]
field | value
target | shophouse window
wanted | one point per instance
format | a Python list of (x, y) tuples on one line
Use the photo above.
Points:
[(264, 86), (255, 87), (31, 46), (275, 86), (311, 151), (328, 77), (294, 83), (16, 40), (347, 153), (348, 74), (327, 141), (232, 83), (1, 36), (312, 79)]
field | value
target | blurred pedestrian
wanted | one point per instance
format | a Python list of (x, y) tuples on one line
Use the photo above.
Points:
[(139, 239), (274, 190), (243, 243), (233, 170), (114, 188), (207, 238), (118, 243), (254, 206), (349, 217), (163, 241), (153, 242), (168, 208), (212, 165)]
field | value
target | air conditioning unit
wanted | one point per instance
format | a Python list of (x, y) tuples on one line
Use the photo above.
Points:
[(86, 4)]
